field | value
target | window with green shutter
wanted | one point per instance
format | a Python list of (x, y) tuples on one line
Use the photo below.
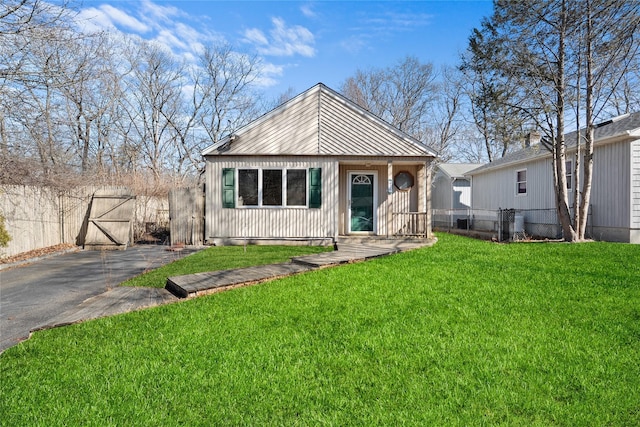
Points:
[(228, 188), (315, 187)]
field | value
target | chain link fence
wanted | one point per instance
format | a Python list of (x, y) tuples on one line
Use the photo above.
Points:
[(504, 225)]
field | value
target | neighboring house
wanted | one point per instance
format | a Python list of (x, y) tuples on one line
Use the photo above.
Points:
[(313, 169), (451, 193), (523, 181)]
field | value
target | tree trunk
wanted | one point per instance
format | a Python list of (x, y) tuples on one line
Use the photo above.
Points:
[(562, 201), (588, 150)]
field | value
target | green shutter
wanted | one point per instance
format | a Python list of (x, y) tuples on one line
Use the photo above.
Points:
[(315, 187), (228, 188)]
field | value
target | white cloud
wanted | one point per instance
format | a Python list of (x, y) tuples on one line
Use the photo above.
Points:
[(256, 36), (157, 13), (93, 20), (121, 18), (282, 40), (307, 10)]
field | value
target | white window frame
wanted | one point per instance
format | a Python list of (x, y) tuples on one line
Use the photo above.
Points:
[(569, 174), (284, 204), (526, 190)]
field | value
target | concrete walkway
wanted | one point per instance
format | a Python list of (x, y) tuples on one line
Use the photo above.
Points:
[(118, 300)]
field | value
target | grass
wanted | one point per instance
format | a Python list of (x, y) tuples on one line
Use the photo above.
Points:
[(464, 333), (222, 258)]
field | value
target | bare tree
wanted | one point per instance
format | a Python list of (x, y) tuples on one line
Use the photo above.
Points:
[(153, 99), (401, 95), (444, 124), (227, 85)]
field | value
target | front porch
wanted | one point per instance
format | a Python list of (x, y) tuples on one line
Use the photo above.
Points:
[(385, 198)]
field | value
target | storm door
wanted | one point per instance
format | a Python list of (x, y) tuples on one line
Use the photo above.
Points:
[(362, 201)]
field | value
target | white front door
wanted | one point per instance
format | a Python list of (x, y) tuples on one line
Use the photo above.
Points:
[(362, 201)]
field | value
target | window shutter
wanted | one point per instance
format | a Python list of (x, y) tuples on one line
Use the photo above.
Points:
[(315, 187), (228, 188)]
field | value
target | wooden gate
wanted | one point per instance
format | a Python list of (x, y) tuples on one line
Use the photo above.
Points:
[(110, 218), (186, 215)]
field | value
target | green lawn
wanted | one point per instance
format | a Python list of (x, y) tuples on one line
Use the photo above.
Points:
[(463, 333)]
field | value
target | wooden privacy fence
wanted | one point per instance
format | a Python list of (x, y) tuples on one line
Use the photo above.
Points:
[(186, 213), (38, 217)]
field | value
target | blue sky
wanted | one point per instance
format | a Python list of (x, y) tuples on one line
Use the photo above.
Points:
[(301, 43)]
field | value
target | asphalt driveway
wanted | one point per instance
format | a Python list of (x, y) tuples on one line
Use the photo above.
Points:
[(32, 295)]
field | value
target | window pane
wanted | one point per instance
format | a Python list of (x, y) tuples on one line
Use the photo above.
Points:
[(521, 184), (272, 187), (248, 187), (522, 187), (296, 187)]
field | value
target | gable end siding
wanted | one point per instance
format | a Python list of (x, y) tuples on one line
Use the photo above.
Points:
[(292, 130), (343, 126)]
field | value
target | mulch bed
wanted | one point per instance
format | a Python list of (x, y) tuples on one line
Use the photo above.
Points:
[(37, 253)]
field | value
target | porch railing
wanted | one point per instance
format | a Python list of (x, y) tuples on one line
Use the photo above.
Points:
[(410, 224)]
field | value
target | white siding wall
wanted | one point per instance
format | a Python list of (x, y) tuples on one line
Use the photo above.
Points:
[(611, 186), (461, 194), (441, 191), (635, 191), (271, 223), (497, 188)]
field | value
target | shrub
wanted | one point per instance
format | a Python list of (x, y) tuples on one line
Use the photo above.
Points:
[(5, 238)]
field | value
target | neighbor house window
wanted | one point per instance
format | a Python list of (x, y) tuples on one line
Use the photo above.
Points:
[(272, 187), (569, 175), (521, 182)]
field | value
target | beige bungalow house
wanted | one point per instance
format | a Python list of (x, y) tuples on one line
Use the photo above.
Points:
[(314, 169)]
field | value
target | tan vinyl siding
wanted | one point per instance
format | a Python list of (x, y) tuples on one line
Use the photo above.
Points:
[(293, 130), (271, 222), (343, 125), (322, 122)]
